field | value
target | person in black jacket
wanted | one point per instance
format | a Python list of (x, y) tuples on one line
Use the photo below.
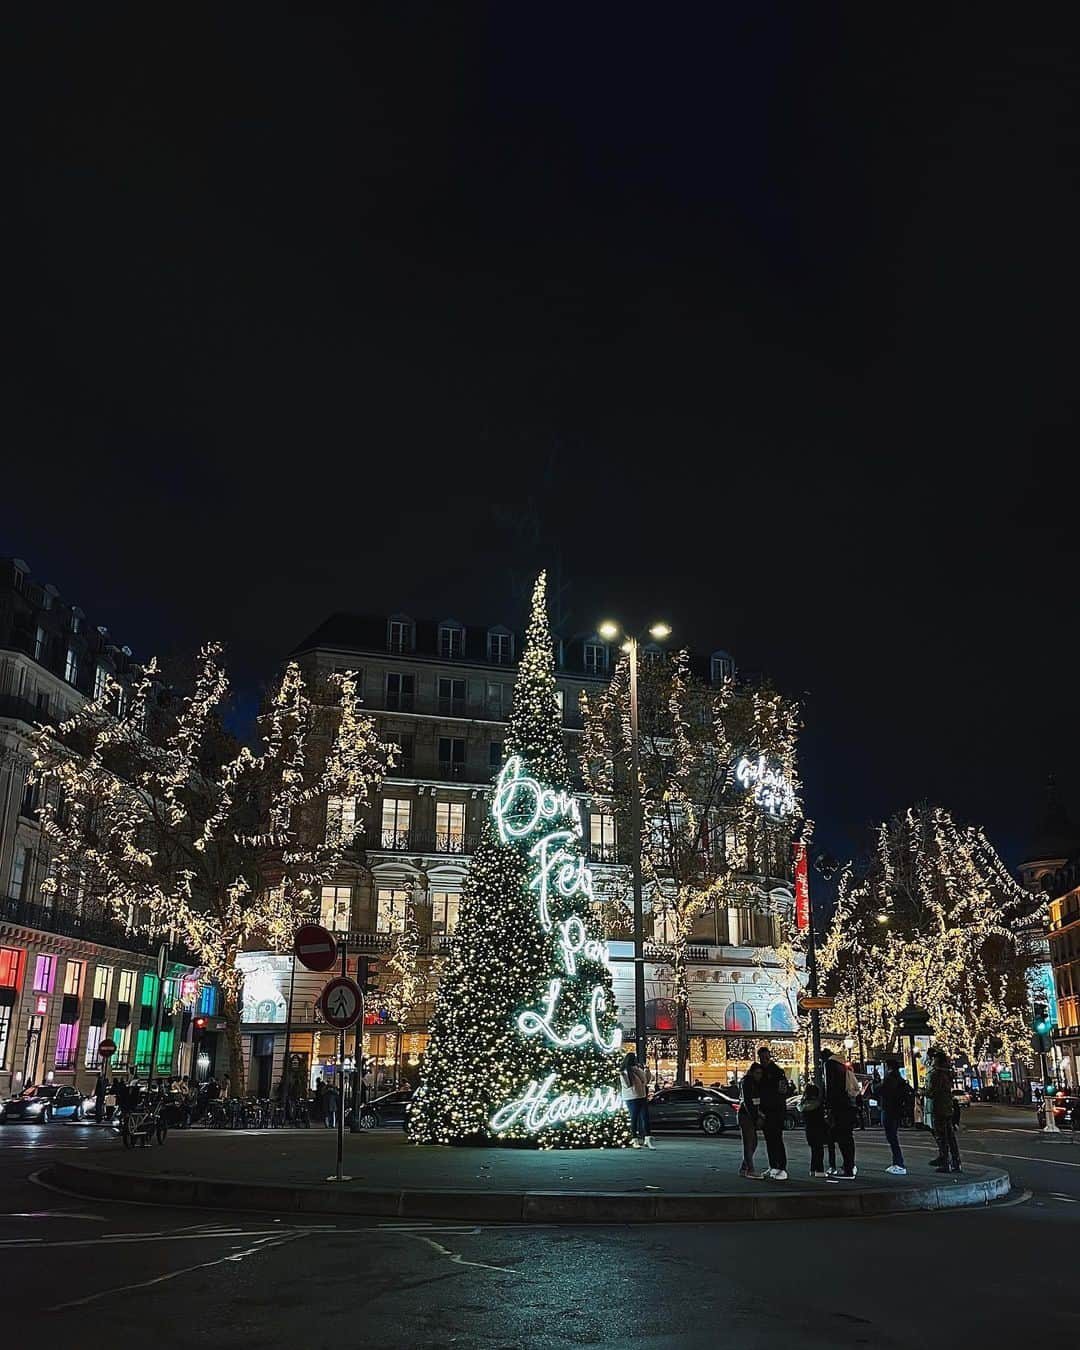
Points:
[(774, 1094), (749, 1117), (841, 1109), (894, 1097)]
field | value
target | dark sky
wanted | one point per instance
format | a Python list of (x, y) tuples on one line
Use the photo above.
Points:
[(758, 317)]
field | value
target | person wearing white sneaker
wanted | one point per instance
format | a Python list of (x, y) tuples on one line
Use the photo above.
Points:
[(776, 1174), (635, 1093), (896, 1170)]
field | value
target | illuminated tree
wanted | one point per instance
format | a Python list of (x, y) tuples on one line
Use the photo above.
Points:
[(705, 837), (931, 916), (524, 1041), (178, 830)]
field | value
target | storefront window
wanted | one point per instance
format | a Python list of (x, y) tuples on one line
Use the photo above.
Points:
[(10, 967), (44, 974), (67, 1040), (738, 1017), (5, 1033), (73, 978)]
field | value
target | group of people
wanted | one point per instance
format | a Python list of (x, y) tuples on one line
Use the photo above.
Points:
[(829, 1115)]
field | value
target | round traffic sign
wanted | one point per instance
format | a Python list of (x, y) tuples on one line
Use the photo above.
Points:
[(106, 1048), (341, 1002), (315, 947)]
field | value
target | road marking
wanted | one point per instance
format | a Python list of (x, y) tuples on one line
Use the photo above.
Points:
[(1019, 1157), (454, 1256), (239, 1255), (1068, 1199), (54, 1214)]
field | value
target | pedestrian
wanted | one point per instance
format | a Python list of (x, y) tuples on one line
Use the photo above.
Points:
[(101, 1087), (320, 1102), (940, 1092), (634, 1087), (894, 1097), (749, 1117), (775, 1091), (841, 1089), (331, 1104), (226, 1087), (817, 1130)]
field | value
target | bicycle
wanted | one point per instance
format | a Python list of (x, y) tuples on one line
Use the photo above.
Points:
[(143, 1125)]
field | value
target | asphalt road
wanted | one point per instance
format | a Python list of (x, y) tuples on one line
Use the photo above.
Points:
[(80, 1272)]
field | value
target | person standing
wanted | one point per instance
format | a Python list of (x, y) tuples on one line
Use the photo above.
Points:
[(840, 1104), (330, 1103), (894, 1097), (817, 1131), (101, 1087), (749, 1117), (940, 1092), (774, 1094), (320, 1101), (635, 1093)]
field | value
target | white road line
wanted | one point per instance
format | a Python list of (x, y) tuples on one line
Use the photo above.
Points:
[(282, 1238), (1020, 1157), (1068, 1199), (455, 1256), (54, 1214)]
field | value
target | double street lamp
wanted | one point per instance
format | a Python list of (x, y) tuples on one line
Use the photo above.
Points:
[(611, 632)]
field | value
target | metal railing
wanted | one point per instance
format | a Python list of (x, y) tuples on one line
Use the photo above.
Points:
[(70, 923), (452, 842)]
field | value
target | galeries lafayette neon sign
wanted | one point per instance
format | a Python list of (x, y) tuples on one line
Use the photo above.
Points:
[(771, 789), (521, 805)]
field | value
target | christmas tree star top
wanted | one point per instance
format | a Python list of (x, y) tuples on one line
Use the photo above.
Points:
[(535, 731)]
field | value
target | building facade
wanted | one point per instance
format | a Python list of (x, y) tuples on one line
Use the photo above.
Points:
[(441, 690), (70, 977)]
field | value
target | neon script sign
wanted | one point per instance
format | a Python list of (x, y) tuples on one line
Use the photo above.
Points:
[(522, 806), (772, 791)]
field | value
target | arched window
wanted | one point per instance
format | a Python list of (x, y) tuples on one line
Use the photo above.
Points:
[(780, 1018), (738, 1017)]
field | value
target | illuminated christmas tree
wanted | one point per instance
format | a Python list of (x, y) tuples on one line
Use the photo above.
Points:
[(524, 1042)]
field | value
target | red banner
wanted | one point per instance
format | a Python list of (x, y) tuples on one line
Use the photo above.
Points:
[(802, 887)]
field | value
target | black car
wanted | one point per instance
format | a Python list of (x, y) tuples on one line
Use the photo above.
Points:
[(39, 1105), (682, 1108), (388, 1109)]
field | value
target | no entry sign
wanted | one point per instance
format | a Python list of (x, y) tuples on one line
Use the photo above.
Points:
[(341, 1002), (315, 947)]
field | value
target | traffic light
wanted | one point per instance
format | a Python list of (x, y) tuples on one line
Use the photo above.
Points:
[(200, 1023), (1041, 1023)]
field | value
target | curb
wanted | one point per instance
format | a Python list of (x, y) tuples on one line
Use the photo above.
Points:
[(523, 1206)]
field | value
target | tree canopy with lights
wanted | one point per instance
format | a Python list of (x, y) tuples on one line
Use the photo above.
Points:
[(931, 916), (153, 809), (525, 1044)]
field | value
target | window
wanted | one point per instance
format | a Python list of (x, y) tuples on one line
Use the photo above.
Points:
[(391, 910), (651, 655), (103, 982), (451, 757), (444, 911), (42, 703), (450, 827), (721, 667), (595, 658), (498, 700), (5, 1032), (67, 1042), (740, 927), (780, 1018), (336, 908), (142, 1050), (94, 1036), (400, 691), (11, 967), (76, 621), (738, 1017), (500, 647), (452, 698), (396, 813), (560, 701), (149, 997), (73, 978), (399, 635), (126, 987), (39, 644), (21, 869), (29, 805), (495, 754), (406, 750), (101, 679), (451, 641), (602, 836), (208, 1000), (164, 1065), (71, 666), (44, 974), (341, 818)]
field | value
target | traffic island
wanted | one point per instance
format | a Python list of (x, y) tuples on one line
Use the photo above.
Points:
[(685, 1180)]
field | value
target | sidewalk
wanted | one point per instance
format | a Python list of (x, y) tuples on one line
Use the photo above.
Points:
[(685, 1178)]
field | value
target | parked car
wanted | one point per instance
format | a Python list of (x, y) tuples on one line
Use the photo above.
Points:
[(692, 1109), (39, 1105), (389, 1109), (89, 1107)]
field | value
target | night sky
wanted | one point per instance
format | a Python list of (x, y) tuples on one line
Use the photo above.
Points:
[(760, 318)]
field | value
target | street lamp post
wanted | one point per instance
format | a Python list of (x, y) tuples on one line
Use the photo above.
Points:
[(611, 631)]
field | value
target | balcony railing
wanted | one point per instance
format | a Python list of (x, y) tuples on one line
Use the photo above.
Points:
[(380, 944), (69, 923), (449, 842), (429, 705)]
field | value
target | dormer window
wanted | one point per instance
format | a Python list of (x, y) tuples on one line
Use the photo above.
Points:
[(500, 646), (399, 634), (721, 668), (596, 657), (651, 654), (451, 640)]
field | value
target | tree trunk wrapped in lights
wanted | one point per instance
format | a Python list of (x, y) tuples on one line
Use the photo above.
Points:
[(931, 916), (703, 833), (154, 808), (525, 1044)]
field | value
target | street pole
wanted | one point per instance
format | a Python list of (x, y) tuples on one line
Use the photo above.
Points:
[(858, 1019), (159, 1002), (811, 970), (288, 1038), (341, 1073), (635, 860)]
